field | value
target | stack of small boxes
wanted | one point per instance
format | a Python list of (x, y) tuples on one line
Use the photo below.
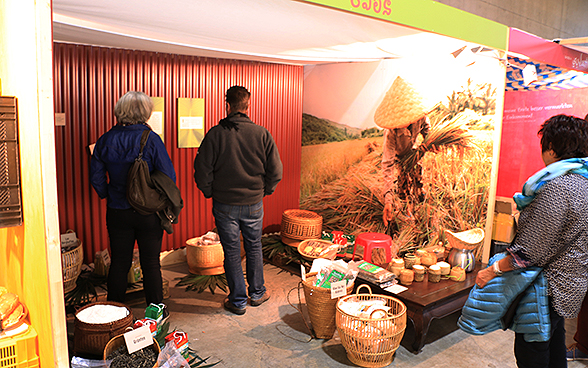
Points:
[(154, 319)]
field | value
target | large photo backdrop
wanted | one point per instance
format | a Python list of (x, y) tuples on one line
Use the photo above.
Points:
[(351, 111)]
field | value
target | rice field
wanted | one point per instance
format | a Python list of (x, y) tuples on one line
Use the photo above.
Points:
[(455, 182), (325, 163)]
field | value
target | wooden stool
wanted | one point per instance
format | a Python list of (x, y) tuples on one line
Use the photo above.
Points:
[(370, 241)]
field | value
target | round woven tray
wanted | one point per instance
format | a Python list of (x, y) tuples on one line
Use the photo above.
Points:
[(303, 244), (301, 224)]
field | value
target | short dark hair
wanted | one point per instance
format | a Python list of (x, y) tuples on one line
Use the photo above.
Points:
[(238, 98), (566, 135)]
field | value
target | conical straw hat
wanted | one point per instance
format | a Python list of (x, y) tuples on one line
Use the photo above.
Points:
[(402, 105)]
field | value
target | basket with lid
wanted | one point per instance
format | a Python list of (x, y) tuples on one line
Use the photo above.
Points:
[(92, 334), (299, 225)]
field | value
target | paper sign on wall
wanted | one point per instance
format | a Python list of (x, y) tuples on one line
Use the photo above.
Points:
[(190, 122), (156, 121)]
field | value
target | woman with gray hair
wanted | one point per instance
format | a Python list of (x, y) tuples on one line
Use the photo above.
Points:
[(113, 155)]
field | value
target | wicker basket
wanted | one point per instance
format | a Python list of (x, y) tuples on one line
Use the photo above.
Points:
[(466, 240), (371, 342), (71, 264), (91, 338), (205, 259), (321, 308), (301, 225), (114, 343), (330, 255)]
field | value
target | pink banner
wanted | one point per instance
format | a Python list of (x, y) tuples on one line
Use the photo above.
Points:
[(520, 148), (545, 51)]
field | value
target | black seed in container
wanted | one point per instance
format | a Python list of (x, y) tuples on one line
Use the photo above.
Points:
[(144, 358)]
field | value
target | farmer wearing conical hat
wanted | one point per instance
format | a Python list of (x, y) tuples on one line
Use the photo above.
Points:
[(404, 116)]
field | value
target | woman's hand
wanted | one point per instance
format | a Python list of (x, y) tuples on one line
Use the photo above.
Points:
[(484, 276)]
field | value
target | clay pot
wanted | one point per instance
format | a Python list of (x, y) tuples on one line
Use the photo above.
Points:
[(457, 274), (428, 259), (410, 260), (434, 273), (419, 273), (406, 276)]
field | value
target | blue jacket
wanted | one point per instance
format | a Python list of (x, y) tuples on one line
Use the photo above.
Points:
[(114, 152), (485, 307)]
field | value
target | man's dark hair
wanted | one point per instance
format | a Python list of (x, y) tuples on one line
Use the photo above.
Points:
[(566, 135), (238, 98)]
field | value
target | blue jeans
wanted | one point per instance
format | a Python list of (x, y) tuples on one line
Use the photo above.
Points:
[(231, 221)]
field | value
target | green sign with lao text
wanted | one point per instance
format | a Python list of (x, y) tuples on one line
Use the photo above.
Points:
[(428, 15)]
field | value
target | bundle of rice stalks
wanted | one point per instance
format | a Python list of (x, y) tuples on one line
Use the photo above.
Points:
[(442, 135)]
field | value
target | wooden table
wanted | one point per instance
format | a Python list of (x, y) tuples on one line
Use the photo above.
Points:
[(427, 300)]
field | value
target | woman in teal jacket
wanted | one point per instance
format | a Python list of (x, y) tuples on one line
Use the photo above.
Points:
[(552, 233)]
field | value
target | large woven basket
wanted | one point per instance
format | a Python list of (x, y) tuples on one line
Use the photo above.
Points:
[(371, 342), (91, 338), (71, 264), (321, 308), (205, 259), (301, 224), (115, 343)]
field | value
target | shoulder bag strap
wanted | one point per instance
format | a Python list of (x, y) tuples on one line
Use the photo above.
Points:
[(144, 138)]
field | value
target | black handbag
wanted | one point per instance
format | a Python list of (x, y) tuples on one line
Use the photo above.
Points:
[(141, 192)]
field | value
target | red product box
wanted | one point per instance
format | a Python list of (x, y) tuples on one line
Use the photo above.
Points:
[(147, 322), (180, 338)]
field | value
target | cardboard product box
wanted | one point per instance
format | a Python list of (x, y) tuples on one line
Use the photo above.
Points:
[(504, 225), (102, 262)]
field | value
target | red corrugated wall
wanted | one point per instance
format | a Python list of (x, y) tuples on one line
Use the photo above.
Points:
[(88, 82)]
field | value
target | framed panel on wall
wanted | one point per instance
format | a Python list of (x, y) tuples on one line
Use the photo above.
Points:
[(190, 122), (157, 119)]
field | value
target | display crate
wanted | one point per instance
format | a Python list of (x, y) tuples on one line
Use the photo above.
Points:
[(20, 351)]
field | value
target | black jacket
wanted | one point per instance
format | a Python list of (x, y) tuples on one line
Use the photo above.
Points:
[(166, 186), (238, 162)]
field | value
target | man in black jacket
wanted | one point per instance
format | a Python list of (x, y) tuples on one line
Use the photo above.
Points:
[(238, 164)]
